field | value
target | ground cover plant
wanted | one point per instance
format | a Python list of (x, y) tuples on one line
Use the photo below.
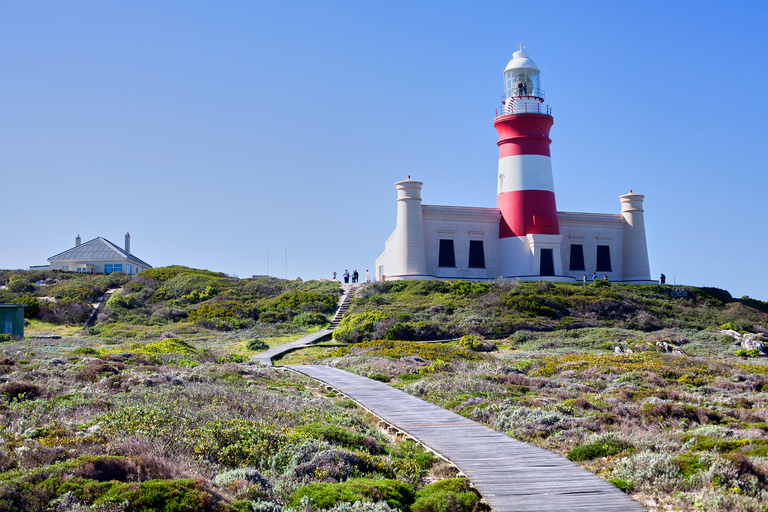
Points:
[(638, 384), (169, 425)]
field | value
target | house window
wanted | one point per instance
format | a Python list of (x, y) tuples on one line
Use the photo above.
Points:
[(476, 254), (129, 269), (108, 269), (603, 258), (65, 267), (577, 257), (80, 269), (547, 263), (447, 257)]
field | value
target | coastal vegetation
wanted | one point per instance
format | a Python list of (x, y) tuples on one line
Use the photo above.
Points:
[(156, 406)]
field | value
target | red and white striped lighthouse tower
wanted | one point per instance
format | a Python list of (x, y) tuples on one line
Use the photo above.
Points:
[(528, 228)]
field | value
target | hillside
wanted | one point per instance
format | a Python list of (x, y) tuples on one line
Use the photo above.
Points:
[(196, 302), (638, 384)]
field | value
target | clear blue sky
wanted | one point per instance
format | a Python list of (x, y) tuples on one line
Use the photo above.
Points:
[(218, 132)]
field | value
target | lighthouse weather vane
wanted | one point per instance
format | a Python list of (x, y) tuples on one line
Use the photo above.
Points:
[(520, 45)]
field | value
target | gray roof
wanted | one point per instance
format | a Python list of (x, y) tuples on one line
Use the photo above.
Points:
[(98, 249)]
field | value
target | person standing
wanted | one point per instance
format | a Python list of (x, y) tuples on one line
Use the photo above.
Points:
[(355, 277), (334, 275), (367, 276), (663, 279), (585, 278), (594, 276), (346, 275)]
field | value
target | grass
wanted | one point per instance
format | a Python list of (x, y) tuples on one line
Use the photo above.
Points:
[(40, 328)]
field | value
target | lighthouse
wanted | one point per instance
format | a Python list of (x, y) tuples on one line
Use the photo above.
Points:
[(529, 236), (524, 237)]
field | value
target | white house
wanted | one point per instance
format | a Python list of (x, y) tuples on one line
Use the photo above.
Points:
[(524, 237), (98, 256)]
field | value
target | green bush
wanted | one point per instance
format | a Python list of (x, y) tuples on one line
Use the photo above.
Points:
[(5, 337), (452, 494), (185, 495), (310, 318), (85, 351), (33, 305), (256, 345), (624, 485), (168, 346), (358, 326), (18, 283), (322, 495), (753, 352), (340, 436), (601, 448)]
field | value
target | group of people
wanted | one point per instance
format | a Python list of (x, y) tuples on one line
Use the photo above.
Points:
[(594, 277), (355, 276)]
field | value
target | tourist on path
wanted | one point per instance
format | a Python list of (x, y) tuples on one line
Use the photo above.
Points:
[(594, 276), (663, 279), (355, 277), (346, 276), (334, 276), (367, 276)]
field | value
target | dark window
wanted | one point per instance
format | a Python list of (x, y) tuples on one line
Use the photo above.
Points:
[(577, 257), (603, 258), (447, 257), (547, 263), (476, 254)]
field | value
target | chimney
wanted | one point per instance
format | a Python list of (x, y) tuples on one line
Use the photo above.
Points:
[(77, 241), (128, 243)]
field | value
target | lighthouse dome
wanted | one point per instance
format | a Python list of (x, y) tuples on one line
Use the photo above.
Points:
[(520, 60)]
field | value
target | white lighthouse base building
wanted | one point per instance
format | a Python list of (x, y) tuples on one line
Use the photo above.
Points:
[(453, 242)]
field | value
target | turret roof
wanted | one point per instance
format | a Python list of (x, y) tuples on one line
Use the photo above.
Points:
[(520, 60)]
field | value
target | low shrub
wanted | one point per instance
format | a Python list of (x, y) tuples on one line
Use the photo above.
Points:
[(256, 345), (310, 318), (600, 448), (168, 346), (322, 495), (452, 494), (86, 351), (95, 369), (622, 484), (340, 436), (19, 391)]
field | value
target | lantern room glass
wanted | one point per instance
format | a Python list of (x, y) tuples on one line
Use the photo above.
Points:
[(522, 82)]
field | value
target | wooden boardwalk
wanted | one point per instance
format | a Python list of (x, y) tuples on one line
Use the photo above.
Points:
[(265, 357), (511, 475)]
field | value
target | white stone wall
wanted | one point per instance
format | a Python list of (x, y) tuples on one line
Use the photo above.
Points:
[(591, 230), (462, 225)]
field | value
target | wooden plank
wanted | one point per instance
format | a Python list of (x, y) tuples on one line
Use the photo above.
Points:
[(512, 476)]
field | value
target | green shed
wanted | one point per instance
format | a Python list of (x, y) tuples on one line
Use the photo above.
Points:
[(12, 319)]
